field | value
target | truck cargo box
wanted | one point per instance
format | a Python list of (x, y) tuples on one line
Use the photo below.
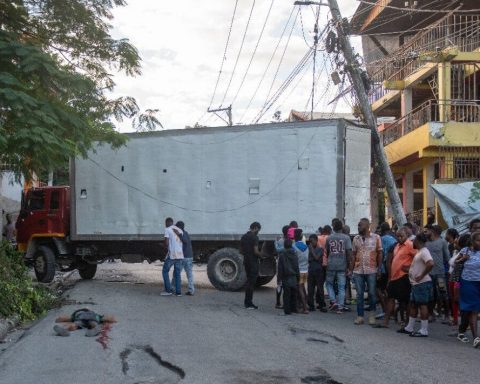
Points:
[(219, 180)]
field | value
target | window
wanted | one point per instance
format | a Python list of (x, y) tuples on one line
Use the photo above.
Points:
[(55, 200), (466, 168), (36, 200)]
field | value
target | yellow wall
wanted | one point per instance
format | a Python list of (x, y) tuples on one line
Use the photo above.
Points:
[(446, 134)]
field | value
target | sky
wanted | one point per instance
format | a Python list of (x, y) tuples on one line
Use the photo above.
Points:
[(182, 43)]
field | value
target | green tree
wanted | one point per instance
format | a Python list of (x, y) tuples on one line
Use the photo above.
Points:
[(474, 193), (56, 63)]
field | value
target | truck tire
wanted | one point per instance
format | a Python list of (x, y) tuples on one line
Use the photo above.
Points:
[(87, 271), (226, 271), (44, 264), (263, 280)]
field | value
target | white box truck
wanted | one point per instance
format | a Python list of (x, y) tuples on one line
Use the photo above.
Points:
[(216, 180)]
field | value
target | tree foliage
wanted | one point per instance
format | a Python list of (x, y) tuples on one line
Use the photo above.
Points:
[(56, 63), (474, 193), (18, 296)]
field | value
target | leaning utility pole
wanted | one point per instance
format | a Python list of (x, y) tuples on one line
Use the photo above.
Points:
[(353, 67)]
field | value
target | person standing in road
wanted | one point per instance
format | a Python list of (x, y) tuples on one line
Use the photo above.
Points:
[(289, 274), (366, 261), (316, 278), (279, 247), (388, 244), (187, 258), (339, 251), (422, 288), (438, 249), (324, 232), (470, 284), (251, 254), (399, 287), (173, 243), (302, 253)]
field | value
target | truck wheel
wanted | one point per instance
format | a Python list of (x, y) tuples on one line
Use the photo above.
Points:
[(44, 264), (87, 271), (226, 271), (263, 280)]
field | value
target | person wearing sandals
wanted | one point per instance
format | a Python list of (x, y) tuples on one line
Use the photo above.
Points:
[(470, 284), (422, 288), (399, 287)]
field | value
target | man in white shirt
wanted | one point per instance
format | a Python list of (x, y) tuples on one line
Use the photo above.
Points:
[(174, 245)]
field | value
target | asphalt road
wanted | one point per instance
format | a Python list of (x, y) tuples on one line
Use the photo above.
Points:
[(211, 338)]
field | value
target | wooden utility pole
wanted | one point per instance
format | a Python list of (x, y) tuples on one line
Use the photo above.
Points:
[(228, 110), (353, 67)]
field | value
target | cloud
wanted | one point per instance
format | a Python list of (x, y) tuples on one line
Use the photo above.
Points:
[(182, 45)]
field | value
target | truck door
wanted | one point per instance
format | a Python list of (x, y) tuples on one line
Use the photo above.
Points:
[(54, 215), (33, 216)]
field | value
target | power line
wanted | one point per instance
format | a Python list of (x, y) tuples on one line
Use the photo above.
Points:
[(239, 53), (389, 20), (305, 71), (297, 69), (268, 65), (254, 52), (224, 54), (279, 64), (407, 9)]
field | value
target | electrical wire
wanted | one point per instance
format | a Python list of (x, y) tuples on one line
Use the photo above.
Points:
[(224, 54), (269, 103), (305, 71), (420, 10), (389, 20), (303, 29), (279, 64), (268, 65), (239, 53), (297, 69), (254, 52)]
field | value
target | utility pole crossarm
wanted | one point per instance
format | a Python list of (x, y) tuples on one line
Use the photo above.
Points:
[(228, 110), (353, 67)]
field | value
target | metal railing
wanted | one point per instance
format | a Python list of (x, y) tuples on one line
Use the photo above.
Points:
[(466, 111), (454, 30)]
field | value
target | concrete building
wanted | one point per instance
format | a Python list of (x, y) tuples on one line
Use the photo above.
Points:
[(425, 73)]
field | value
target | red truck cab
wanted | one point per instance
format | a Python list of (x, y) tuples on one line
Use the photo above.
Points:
[(45, 213), (43, 230)]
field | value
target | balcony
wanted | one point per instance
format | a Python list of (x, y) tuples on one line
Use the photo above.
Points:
[(453, 33), (461, 111)]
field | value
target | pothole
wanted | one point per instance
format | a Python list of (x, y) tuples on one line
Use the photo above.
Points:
[(145, 366)]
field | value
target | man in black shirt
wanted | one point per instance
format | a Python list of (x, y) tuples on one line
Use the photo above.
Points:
[(251, 253)]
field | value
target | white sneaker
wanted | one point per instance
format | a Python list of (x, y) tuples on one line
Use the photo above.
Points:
[(476, 342), (165, 293)]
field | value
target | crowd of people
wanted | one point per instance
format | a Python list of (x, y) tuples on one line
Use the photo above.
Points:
[(409, 273)]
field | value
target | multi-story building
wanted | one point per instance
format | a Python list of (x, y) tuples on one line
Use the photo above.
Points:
[(423, 59)]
